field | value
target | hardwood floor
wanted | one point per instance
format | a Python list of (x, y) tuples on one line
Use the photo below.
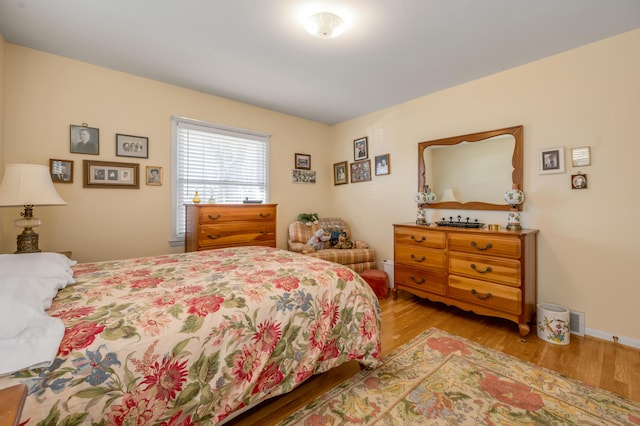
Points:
[(593, 361)]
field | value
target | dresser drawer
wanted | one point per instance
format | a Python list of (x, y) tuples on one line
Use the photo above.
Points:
[(236, 234), (494, 296), (419, 257), (214, 215), (419, 237), (492, 245), (500, 270), (420, 279)]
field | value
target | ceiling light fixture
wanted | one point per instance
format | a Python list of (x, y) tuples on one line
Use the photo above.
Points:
[(325, 25)]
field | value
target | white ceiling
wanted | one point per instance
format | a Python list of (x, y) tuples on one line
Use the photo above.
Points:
[(257, 51)]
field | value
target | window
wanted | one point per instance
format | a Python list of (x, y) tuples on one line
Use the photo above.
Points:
[(225, 165)]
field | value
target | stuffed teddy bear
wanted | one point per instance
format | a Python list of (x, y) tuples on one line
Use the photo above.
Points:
[(344, 242), (317, 240), (308, 218)]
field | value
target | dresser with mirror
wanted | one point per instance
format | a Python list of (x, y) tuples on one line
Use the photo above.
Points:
[(489, 272)]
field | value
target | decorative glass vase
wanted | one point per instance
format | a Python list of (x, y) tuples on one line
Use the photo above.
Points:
[(196, 198)]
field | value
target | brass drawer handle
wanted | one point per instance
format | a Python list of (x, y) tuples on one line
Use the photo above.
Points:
[(420, 240), (265, 215), (481, 296), (475, 268), (218, 216), (413, 256), (214, 237), (422, 280), (265, 232), (475, 245)]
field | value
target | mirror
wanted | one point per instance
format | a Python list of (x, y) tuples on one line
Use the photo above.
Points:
[(472, 172)]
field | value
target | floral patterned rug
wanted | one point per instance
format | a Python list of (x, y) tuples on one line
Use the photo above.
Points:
[(441, 379)]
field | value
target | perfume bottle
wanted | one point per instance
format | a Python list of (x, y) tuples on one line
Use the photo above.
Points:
[(196, 198)]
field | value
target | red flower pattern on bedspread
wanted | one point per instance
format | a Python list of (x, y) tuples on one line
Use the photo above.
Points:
[(190, 338)]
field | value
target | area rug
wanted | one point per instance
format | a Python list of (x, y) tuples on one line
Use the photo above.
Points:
[(441, 379)]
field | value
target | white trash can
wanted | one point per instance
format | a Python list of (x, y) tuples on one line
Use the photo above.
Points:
[(553, 324), (387, 265)]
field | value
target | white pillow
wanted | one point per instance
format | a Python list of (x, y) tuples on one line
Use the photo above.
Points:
[(54, 265), (28, 337), (37, 292)]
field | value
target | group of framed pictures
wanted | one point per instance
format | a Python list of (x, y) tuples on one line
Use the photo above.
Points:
[(105, 174), (551, 160), (361, 167)]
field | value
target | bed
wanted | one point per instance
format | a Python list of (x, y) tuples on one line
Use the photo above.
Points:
[(194, 338)]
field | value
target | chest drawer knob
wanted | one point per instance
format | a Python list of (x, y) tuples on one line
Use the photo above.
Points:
[(475, 245), (214, 237), (265, 215), (475, 268), (218, 216), (422, 259), (418, 240), (480, 295)]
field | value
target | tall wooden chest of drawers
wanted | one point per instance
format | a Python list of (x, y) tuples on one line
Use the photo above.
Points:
[(211, 226), (487, 272)]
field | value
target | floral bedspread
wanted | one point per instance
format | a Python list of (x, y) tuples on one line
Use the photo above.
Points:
[(191, 338)]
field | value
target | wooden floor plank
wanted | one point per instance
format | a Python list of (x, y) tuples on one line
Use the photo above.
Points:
[(596, 362)]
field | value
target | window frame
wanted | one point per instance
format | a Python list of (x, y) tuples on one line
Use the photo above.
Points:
[(177, 238)]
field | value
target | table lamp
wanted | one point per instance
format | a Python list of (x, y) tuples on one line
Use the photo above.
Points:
[(421, 198), (514, 197), (28, 185)]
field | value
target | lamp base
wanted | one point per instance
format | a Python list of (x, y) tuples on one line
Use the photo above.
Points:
[(514, 227), (28, 242)]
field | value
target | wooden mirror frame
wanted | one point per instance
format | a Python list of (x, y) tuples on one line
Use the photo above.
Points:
[(516, 175)]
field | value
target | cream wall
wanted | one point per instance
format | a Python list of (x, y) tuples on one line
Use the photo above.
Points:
[(44, 94), (588, 244), (588, 96)]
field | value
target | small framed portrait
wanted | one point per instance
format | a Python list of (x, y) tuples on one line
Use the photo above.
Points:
[(61, 171), (551, 160), (154, 176), (361, 171), (340, 173), (360, 149), (107, 174), (84, 139), (303, 161), (132, 146), (579, 181), (383, 165)]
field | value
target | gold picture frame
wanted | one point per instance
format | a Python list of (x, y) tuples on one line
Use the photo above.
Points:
[(341, 173), (361, 171), (154, 176)]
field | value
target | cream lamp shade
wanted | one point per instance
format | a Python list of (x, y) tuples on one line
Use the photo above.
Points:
[(447, 195), (28, 185)]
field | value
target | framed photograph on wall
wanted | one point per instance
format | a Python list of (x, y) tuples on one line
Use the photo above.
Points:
[(61, 170), (154, 176), (361, 171), (360, 149), (551, 160), (84, 140), (340, 173), (303, 176), (303, 162), (383, 165), (132, 146), (107, 174)]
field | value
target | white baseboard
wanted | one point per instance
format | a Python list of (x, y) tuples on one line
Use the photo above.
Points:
[(612, 338)]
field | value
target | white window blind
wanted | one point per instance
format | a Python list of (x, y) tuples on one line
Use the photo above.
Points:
[(224, 164)]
